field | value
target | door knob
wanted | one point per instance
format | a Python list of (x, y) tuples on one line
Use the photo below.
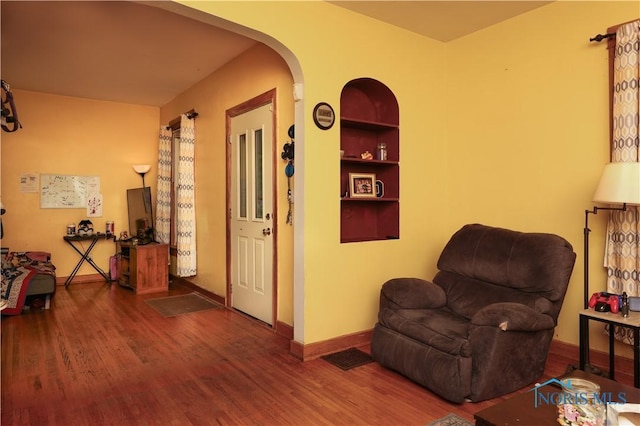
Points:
[(266, 231)]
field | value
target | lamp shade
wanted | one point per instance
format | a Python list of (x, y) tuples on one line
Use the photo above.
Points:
[(619, 184), (141, 168)]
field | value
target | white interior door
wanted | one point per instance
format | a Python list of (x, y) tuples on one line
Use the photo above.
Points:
[(252, 213)]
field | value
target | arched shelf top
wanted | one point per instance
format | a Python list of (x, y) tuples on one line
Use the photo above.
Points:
[(368, 100)]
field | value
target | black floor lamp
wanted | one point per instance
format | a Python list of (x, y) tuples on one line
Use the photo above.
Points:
[(619, 185)]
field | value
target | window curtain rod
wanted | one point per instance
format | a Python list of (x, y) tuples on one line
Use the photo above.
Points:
[(601, 37), (175, 123)]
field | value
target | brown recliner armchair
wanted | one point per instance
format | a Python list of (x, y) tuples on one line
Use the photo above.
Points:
[(483, 327)]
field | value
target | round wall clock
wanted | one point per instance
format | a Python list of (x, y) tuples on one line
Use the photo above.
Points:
[(323, 116)]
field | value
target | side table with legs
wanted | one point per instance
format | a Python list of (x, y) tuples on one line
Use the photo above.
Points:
[(75, 241), (613, 320)]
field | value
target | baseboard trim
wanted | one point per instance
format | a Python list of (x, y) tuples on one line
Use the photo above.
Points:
[(363, 338), (81, 279), (597, 358), (567, 350), (318, 349), (186, 283), (284, 330)]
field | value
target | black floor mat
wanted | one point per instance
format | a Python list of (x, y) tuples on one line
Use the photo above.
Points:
[(348, 358)]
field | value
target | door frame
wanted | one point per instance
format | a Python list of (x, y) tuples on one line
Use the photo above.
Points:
[(251, 104)]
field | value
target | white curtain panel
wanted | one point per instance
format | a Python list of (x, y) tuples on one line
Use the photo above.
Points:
[(163, 197), (623, 229), (185, 200)]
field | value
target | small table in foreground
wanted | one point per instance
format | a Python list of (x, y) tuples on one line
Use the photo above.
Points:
[(93, 239), (521, 410)]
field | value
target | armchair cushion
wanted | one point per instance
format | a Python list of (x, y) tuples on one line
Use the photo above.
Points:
[(466, 296), (440, 328), (529, 262), (481, 265)]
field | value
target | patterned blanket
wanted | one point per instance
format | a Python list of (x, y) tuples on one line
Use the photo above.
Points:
[(17, 270)]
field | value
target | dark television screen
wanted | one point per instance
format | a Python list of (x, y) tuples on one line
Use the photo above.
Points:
[(140, 210)]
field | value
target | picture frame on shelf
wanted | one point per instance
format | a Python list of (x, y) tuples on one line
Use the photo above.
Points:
[(362, 185), (379, 188)]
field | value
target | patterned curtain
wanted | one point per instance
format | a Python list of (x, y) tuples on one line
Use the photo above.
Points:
[(623, 229), (163, 198), (185, 199)]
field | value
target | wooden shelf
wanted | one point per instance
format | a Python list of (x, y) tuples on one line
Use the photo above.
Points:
[(370, 117), (356, 160), (370, 200), (368, 238), (366, 124)]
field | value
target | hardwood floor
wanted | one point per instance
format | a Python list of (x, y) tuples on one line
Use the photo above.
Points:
[(101, 355)]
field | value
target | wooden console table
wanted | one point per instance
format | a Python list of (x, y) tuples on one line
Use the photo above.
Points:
[(75, 241), (143, 268)]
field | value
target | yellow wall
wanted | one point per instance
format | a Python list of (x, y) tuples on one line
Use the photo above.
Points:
[(342, 281), (507, 126), (72, 136), (528, 129), (235, 83)]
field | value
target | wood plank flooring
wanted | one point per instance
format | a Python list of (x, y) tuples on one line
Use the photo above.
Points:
[(102, 356)]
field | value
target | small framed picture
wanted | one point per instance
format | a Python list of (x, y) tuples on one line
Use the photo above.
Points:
[(362, 185), (323, 116)]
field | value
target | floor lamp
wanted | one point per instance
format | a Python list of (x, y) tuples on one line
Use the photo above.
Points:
[(142, 169), (619, 185)]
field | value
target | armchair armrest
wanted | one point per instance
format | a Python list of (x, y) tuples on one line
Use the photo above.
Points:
[(512, 317), (411, 293)]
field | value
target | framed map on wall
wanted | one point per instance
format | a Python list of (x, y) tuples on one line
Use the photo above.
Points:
[(67, 191)]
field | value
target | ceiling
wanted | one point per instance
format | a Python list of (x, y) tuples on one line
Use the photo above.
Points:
[(441, 20), (109, 50), (137, 53)]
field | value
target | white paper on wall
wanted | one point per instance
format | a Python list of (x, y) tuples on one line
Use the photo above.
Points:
[(94, 205)]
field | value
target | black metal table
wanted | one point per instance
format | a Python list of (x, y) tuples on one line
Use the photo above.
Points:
[(613, 320), (75, 241)]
